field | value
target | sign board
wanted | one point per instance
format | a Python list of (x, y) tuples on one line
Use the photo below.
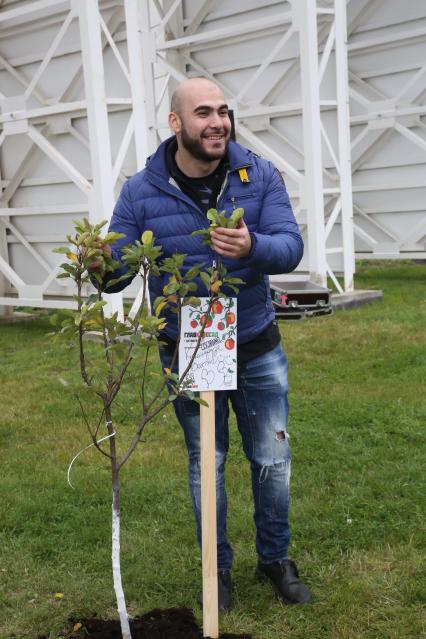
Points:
[(215, 363)]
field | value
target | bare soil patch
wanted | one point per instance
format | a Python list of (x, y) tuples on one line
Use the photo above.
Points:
[(172, 623)]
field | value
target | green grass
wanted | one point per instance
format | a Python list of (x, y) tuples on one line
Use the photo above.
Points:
[(358, 496)]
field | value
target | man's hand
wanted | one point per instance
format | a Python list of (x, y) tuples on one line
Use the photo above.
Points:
[(235, 243)]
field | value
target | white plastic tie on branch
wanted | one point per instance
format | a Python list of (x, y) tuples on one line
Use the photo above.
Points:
[(82, 451)]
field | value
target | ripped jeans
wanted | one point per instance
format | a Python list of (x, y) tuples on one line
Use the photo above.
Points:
[(261, 408)]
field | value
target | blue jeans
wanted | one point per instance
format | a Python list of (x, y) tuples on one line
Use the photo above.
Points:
[(261, 407)]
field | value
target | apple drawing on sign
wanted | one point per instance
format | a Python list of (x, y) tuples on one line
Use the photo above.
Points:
[(230, 318)]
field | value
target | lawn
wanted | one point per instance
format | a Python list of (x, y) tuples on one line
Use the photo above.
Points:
[(358, 494)]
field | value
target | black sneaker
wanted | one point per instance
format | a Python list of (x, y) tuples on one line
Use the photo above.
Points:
[(224, 591), (284, 578)]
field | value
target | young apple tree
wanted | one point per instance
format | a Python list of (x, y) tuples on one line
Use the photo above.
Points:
[(104, 375)]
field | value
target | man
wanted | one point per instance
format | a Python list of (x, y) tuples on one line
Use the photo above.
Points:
[(197, 169)]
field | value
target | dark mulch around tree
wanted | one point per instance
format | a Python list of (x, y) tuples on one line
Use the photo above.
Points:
[(174, 623)]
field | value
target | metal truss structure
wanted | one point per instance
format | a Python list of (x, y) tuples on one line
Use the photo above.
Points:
[(84, 93), (387, 74)]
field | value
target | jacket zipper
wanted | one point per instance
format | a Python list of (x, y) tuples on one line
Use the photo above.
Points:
[(225, 182), (223, 187)]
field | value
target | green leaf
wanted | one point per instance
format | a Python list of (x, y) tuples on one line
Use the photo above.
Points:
[(194, 301), (92, 299), (234, 280), (61, 249), (233, 288), (159, 308), (193, 272), (116, 280), (158, 300), (205, 279), (172, 287), (212, 215), (113, 237), (223, 220), (200, 401), (147, 238), (235, 217)]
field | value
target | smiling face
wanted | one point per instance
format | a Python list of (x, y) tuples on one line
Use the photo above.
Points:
[(201, 124)]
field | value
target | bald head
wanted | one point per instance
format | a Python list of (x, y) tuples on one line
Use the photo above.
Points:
[(199, 119), (192, 86)]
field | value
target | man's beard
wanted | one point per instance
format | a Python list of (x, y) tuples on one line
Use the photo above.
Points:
[(196, 149)]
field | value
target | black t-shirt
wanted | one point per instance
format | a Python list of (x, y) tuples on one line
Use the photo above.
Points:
[(204, 192)]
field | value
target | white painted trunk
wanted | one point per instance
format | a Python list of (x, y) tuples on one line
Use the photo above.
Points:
[(116, 573)]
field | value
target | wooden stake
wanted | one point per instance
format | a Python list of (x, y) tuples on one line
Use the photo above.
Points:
[(208, 516)]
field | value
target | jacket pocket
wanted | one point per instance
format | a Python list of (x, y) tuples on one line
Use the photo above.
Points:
[(242, 197)]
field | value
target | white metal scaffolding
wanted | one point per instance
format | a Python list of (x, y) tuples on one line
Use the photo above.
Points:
[(84, 93)]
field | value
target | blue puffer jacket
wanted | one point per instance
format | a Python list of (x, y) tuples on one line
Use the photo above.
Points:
[(152, 200)]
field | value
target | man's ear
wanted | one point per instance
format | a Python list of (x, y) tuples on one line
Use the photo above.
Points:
[(175, 123)]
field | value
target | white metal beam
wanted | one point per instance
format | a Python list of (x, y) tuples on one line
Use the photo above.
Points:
[(245, 28), (76, 81), (312, 190), (168, 15), (19, 173), (343, 128), (51, 50), (410, 135), (123, 149), (44, 209), (412, 89), (44, 112), (390, 40), (10, 274), (265, 63), (266, 150), (416, 233), (143, 112), (24, 241), (326, 53), (102, 202), (22, 168), (203, 10), (32, 7), (293, 68), (58, 159), (371, 220), (363, 8), (4, 253), (333, 217), (21, 79), (38, 302), (114, 49)]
